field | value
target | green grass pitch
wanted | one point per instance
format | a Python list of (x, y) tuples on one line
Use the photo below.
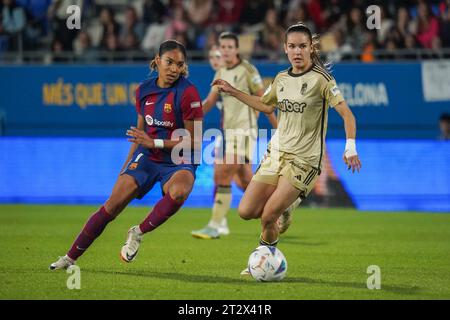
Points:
[(328, 252)]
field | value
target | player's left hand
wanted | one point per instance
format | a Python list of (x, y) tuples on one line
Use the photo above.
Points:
[(140, 137), (352, 162)]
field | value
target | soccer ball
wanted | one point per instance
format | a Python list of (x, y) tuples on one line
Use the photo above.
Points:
[(267, 263)]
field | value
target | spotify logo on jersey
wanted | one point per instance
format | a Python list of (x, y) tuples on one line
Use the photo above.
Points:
[(158, 123), (149, 120)]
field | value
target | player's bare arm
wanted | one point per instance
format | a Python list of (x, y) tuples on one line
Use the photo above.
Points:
[(252, 101), (270, 116), (210, 101), (133, 147), (272, 119), (350, 157)]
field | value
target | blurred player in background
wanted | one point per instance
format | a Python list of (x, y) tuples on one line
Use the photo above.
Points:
[(293, 161), (444, 126), (215, 58), (235, 115), (216, 62), (163, 104)]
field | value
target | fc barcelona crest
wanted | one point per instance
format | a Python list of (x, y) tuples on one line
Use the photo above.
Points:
[(133, 166), (304, 87), (167, 108)]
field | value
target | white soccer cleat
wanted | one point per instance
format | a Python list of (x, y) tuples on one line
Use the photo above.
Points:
[(62, 263), (206, 233), (285, 220), (131, 247), (245, 272), (223, 228)]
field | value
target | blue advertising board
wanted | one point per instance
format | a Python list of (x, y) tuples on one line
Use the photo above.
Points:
[(389, 100), (396, 175)]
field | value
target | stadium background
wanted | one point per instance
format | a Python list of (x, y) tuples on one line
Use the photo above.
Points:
[(66, 101), (67, 95)]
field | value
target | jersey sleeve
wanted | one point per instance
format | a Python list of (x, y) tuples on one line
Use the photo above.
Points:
[(254, 80), (270, 95), (191, 104), (331, 93), (137, 102)]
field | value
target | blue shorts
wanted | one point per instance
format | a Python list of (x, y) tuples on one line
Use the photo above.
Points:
[(147, 172)]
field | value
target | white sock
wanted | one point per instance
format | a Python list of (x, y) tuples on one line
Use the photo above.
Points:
[(139, 231), (69, 258), (213, 224)]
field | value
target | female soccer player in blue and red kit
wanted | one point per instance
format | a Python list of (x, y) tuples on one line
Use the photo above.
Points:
[(164, 104)]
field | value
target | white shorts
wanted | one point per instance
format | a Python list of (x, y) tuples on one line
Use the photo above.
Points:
[(240, 147)]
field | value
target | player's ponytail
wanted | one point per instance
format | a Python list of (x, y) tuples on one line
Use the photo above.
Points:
[(166, 46), (316, 55), (153, 65), (315, 44)]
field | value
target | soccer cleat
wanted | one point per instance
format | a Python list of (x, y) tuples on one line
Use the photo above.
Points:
[(223, 228), (285, 220), (131, 247), (62, 263), (206, 233), (245, 272)]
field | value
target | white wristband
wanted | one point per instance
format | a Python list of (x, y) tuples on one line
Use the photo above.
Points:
[(159, 143), (350, 148)]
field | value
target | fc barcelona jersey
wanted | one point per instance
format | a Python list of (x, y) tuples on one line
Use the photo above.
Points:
[(164, 110)]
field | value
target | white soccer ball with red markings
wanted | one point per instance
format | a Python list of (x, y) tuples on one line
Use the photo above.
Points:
[(267, 263)]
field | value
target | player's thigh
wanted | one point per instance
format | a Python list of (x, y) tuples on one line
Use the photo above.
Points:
[(282, 197), (254, 199), (124, 190), (223, 173), (180, 184)]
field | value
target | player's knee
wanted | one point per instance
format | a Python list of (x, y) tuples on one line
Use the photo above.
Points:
[(222, 178), (270, 215), (180, 193), (268, 220), (246, 212), (224, 174), (114, 207)]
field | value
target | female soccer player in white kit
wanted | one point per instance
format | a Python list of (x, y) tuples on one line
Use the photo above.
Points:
[(293, 161)]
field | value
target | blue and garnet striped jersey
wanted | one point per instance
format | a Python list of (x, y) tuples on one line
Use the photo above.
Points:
[(165, 109)]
